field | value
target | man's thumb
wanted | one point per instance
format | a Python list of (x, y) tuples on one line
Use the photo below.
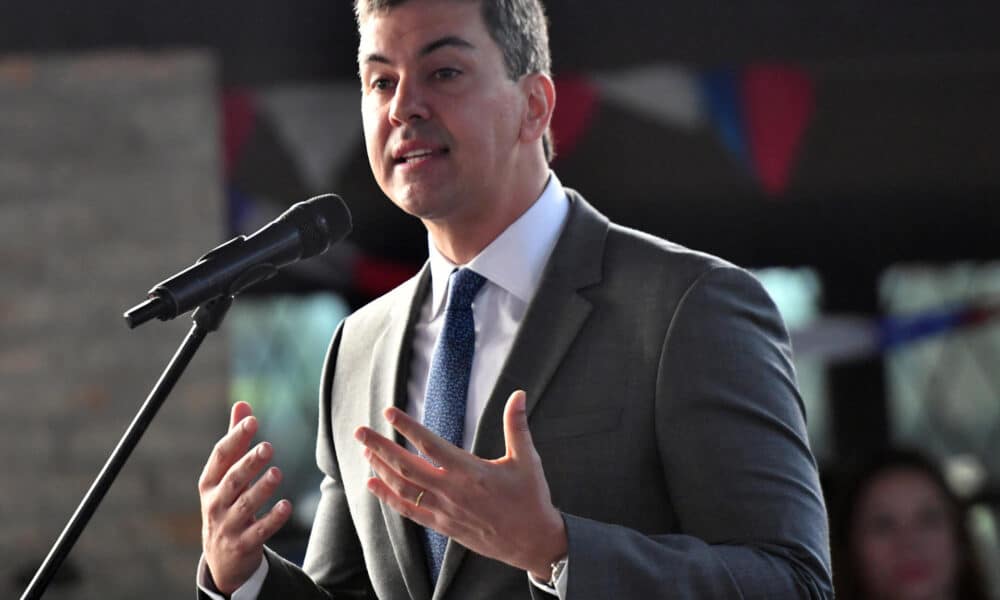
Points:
[(515, 424)]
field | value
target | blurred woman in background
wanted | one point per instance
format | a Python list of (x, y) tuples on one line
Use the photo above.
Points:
[(900, 534)]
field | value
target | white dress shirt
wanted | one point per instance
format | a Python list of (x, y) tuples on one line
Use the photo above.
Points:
[(512, 265)]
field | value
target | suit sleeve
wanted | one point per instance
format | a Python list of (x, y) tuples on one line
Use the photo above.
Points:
[(744, 487), (334, 567)]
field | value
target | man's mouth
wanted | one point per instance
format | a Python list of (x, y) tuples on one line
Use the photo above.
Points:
[(417, 156)]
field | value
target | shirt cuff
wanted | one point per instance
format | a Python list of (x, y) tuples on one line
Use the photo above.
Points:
[(248, 591), (562, 583)]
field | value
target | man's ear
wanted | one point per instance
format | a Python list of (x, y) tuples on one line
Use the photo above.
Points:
[(541, 95)]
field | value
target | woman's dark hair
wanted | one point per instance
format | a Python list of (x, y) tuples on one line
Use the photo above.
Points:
[(970, 584)]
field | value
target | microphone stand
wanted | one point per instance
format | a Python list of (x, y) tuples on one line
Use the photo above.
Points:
[(207, 318)]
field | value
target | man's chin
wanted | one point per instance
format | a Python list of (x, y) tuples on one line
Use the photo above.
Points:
[(423, 204)]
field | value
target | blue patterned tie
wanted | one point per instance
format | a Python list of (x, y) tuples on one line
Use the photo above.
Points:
[(448, 382)]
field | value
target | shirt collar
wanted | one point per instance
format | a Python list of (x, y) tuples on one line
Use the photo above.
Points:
[(516, 258)]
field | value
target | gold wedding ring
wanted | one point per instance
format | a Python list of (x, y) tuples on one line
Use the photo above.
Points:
[(420, 497)]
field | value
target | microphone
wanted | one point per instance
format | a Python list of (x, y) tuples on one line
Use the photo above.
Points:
[(303, 231)]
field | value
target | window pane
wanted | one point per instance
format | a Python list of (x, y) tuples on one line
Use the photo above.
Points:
[(942, 361), (278, 346)]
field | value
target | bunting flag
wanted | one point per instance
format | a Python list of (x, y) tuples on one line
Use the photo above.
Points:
[(238, 115), (779, 101), (319, 125), (721, 95), (761, 114), (576, 108), (666, 94)]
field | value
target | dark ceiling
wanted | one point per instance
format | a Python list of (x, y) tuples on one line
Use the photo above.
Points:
[(265, 41)]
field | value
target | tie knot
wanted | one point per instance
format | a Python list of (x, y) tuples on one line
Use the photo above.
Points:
[(465, 284)]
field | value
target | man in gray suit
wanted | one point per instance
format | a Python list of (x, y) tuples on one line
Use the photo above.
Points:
[(628, 424)]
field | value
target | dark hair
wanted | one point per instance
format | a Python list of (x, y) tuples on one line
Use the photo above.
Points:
[(970, 584), (518, 27)]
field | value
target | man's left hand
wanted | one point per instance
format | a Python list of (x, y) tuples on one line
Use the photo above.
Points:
[(499, 508)]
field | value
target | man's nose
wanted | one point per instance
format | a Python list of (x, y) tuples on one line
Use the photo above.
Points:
[(408, 103)]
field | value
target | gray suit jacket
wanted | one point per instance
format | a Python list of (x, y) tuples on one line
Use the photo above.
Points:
[(662, 400)]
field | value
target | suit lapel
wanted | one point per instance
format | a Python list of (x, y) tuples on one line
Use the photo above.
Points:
[(552, 322), (390, 372)]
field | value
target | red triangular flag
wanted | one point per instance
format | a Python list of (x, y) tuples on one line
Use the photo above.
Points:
[(779, 102)]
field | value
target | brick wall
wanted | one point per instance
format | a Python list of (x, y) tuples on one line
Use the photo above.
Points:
[(109, 181)]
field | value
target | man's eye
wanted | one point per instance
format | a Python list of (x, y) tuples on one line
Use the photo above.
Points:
[(382, 84), (446, 73)]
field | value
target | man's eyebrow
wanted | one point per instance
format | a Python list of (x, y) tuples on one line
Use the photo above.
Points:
[(447, 41), (450, 40)]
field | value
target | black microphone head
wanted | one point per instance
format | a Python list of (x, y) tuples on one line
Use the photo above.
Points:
[(321, 221)]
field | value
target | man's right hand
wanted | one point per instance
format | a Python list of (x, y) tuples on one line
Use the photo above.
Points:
[(232, 537)]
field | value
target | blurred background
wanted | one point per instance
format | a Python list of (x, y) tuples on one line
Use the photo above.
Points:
[(846, 152)]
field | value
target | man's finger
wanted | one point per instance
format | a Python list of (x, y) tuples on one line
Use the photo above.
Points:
[(268, 525), (402, 487), (418, 514), (431, 445), (408, 465), (515, 426), (249, 502), (240, 411), (241, 474), (227, 451)]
